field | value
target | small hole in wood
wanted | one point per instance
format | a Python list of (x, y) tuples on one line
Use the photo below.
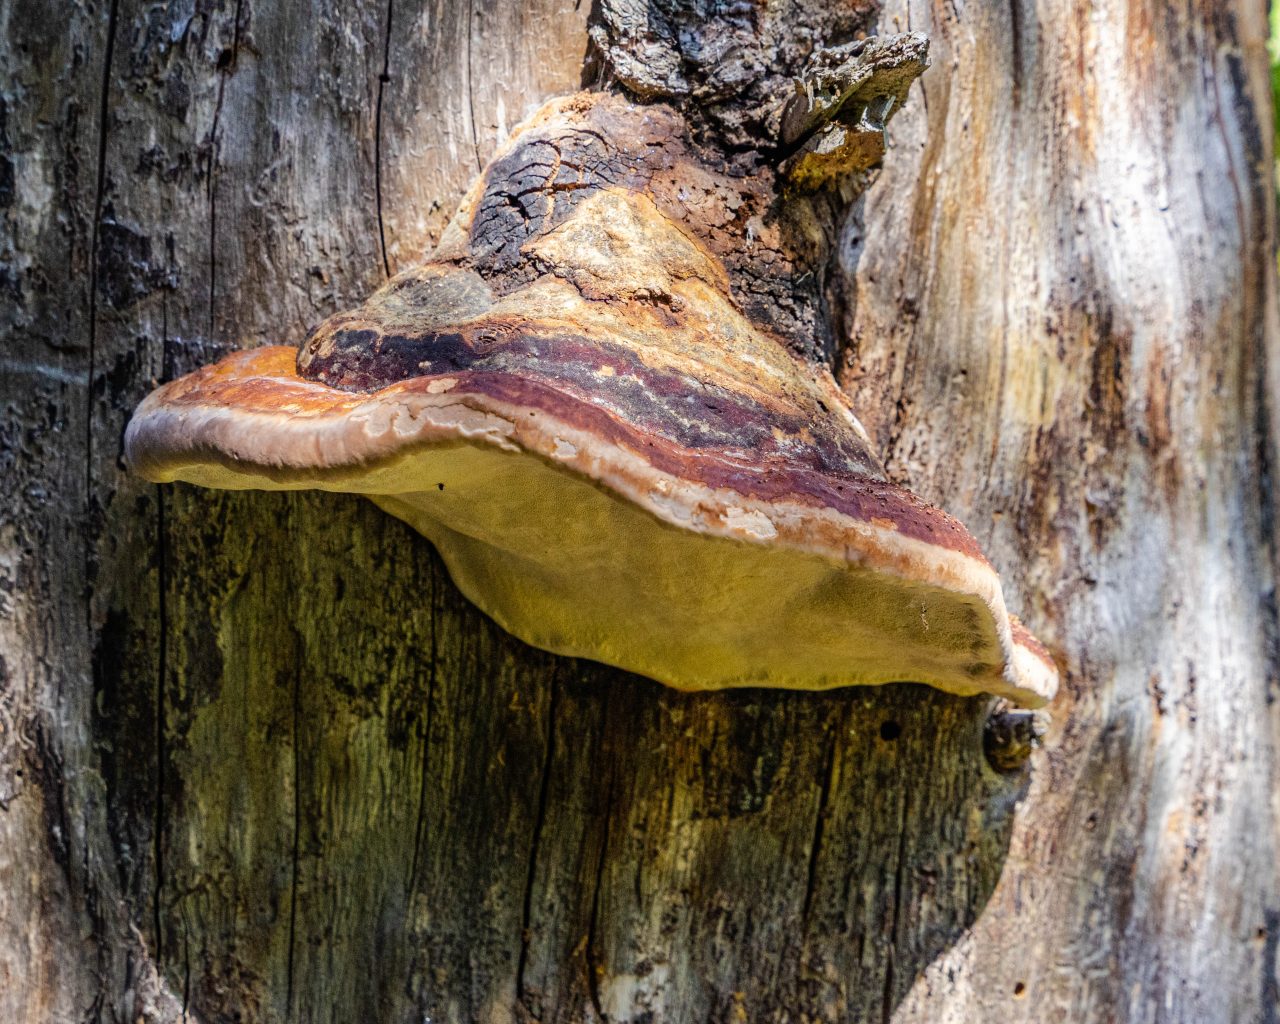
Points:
[(1019, 990), (890, 731)]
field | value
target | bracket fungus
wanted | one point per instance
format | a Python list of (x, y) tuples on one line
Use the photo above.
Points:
[(605, 400)]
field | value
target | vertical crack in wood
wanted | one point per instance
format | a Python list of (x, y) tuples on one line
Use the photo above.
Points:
[(211, 189), (594, 969), (100, 188), (1271, 967), (471, 98), (1265, 456), (162, 673), (383, 79), (186, 972), (819, 826), (895, 927), (1016, 22), (544, 786), (1221, 120), (297, 825), (94, 1016), (419, 827), (57, 778)]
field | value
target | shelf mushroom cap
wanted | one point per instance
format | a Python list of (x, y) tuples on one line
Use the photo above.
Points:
[(614, 462)]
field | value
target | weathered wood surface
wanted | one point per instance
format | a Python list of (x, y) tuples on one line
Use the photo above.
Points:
[(258, 742)]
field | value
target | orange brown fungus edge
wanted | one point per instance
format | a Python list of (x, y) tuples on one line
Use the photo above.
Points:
[(253, 414)]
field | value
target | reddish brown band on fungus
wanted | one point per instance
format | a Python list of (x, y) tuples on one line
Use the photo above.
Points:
[(266, 380), (1023, 637), (858, 497), (691, 411)]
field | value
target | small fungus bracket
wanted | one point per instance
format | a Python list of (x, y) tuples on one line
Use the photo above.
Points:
[(834, 123), (1012, 735)]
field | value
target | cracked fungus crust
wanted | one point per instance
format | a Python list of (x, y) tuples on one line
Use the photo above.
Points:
[(613, 458)]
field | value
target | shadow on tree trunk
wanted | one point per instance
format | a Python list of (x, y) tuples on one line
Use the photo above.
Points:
[(344, 829)]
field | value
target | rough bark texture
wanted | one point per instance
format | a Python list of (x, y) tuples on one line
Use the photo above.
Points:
[(258, 760)]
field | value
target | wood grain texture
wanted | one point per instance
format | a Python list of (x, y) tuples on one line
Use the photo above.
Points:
[(258, 759)]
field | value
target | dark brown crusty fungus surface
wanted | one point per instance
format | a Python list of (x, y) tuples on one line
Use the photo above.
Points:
[(605, 399)]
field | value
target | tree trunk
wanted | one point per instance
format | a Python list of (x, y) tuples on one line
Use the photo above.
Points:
[(260, 761)]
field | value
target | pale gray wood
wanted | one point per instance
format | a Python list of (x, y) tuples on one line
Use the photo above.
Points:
[(1079, 217)]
